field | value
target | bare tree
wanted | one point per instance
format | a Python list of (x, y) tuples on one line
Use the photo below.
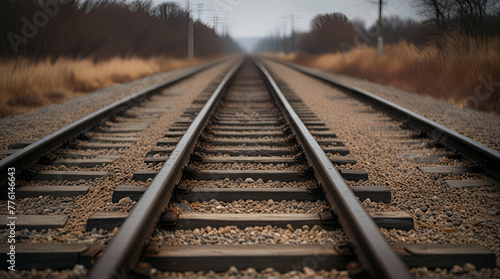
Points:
[(472, 13), (171, 12), (330, 33), (436, 12), (324, 20), (468, 16)]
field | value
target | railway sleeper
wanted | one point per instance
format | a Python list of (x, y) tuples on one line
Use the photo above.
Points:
[(50, 190), (203, 159), (389, 220), (295, 257), (220, 257), (50, 175)]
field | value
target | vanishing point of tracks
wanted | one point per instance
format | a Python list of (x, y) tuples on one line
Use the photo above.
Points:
[(246, 132)]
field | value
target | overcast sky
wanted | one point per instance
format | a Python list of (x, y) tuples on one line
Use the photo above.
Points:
[(260, 18)]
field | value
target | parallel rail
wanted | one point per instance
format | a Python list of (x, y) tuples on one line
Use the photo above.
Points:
[(123, 252), (488, 158), (374, 252), (33, 152)]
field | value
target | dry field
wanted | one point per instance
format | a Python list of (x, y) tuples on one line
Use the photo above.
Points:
[(463, 71), (26, 84)]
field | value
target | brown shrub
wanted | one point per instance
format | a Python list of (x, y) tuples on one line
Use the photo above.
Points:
[(26, 98), (28, 84), (462, 71), (55, 96)]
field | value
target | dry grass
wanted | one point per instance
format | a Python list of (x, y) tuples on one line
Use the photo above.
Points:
[(26, 85), (463, 72)]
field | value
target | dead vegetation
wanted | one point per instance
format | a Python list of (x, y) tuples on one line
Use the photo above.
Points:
[(463, 71), (28, 84)]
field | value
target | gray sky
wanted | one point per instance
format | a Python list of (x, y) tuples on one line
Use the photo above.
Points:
[(260, 18)]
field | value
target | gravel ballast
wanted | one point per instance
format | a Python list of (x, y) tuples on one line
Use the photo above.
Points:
[(247, 166), (240, 183), (231, 235), (251, 206), (269, 272)]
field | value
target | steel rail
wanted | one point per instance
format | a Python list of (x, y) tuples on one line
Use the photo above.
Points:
[(31, 153), (372, 249), (488, 158), (126, 247)]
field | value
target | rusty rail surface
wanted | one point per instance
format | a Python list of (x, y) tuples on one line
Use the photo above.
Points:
[(123, 252), (372, 249)]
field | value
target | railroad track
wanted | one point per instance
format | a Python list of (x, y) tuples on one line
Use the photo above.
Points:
[(487, 158), (81, 160), (267, 163)]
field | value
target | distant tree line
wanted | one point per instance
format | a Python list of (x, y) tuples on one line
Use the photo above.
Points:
[(474, 18), (102, 29), (334, 32)]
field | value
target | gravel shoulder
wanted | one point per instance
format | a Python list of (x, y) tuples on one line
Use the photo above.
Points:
[(477, 125), (21, 127)]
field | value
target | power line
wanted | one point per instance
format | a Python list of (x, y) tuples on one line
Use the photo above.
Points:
[(380, 39), (190, 42), (292, 26)]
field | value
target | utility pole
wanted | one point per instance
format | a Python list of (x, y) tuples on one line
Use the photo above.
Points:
[(292, 26), (380, 39), (292, 16), (283, 37), (224, 26), (278, 38), (190, 41), (216, 19), (200, 8)]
